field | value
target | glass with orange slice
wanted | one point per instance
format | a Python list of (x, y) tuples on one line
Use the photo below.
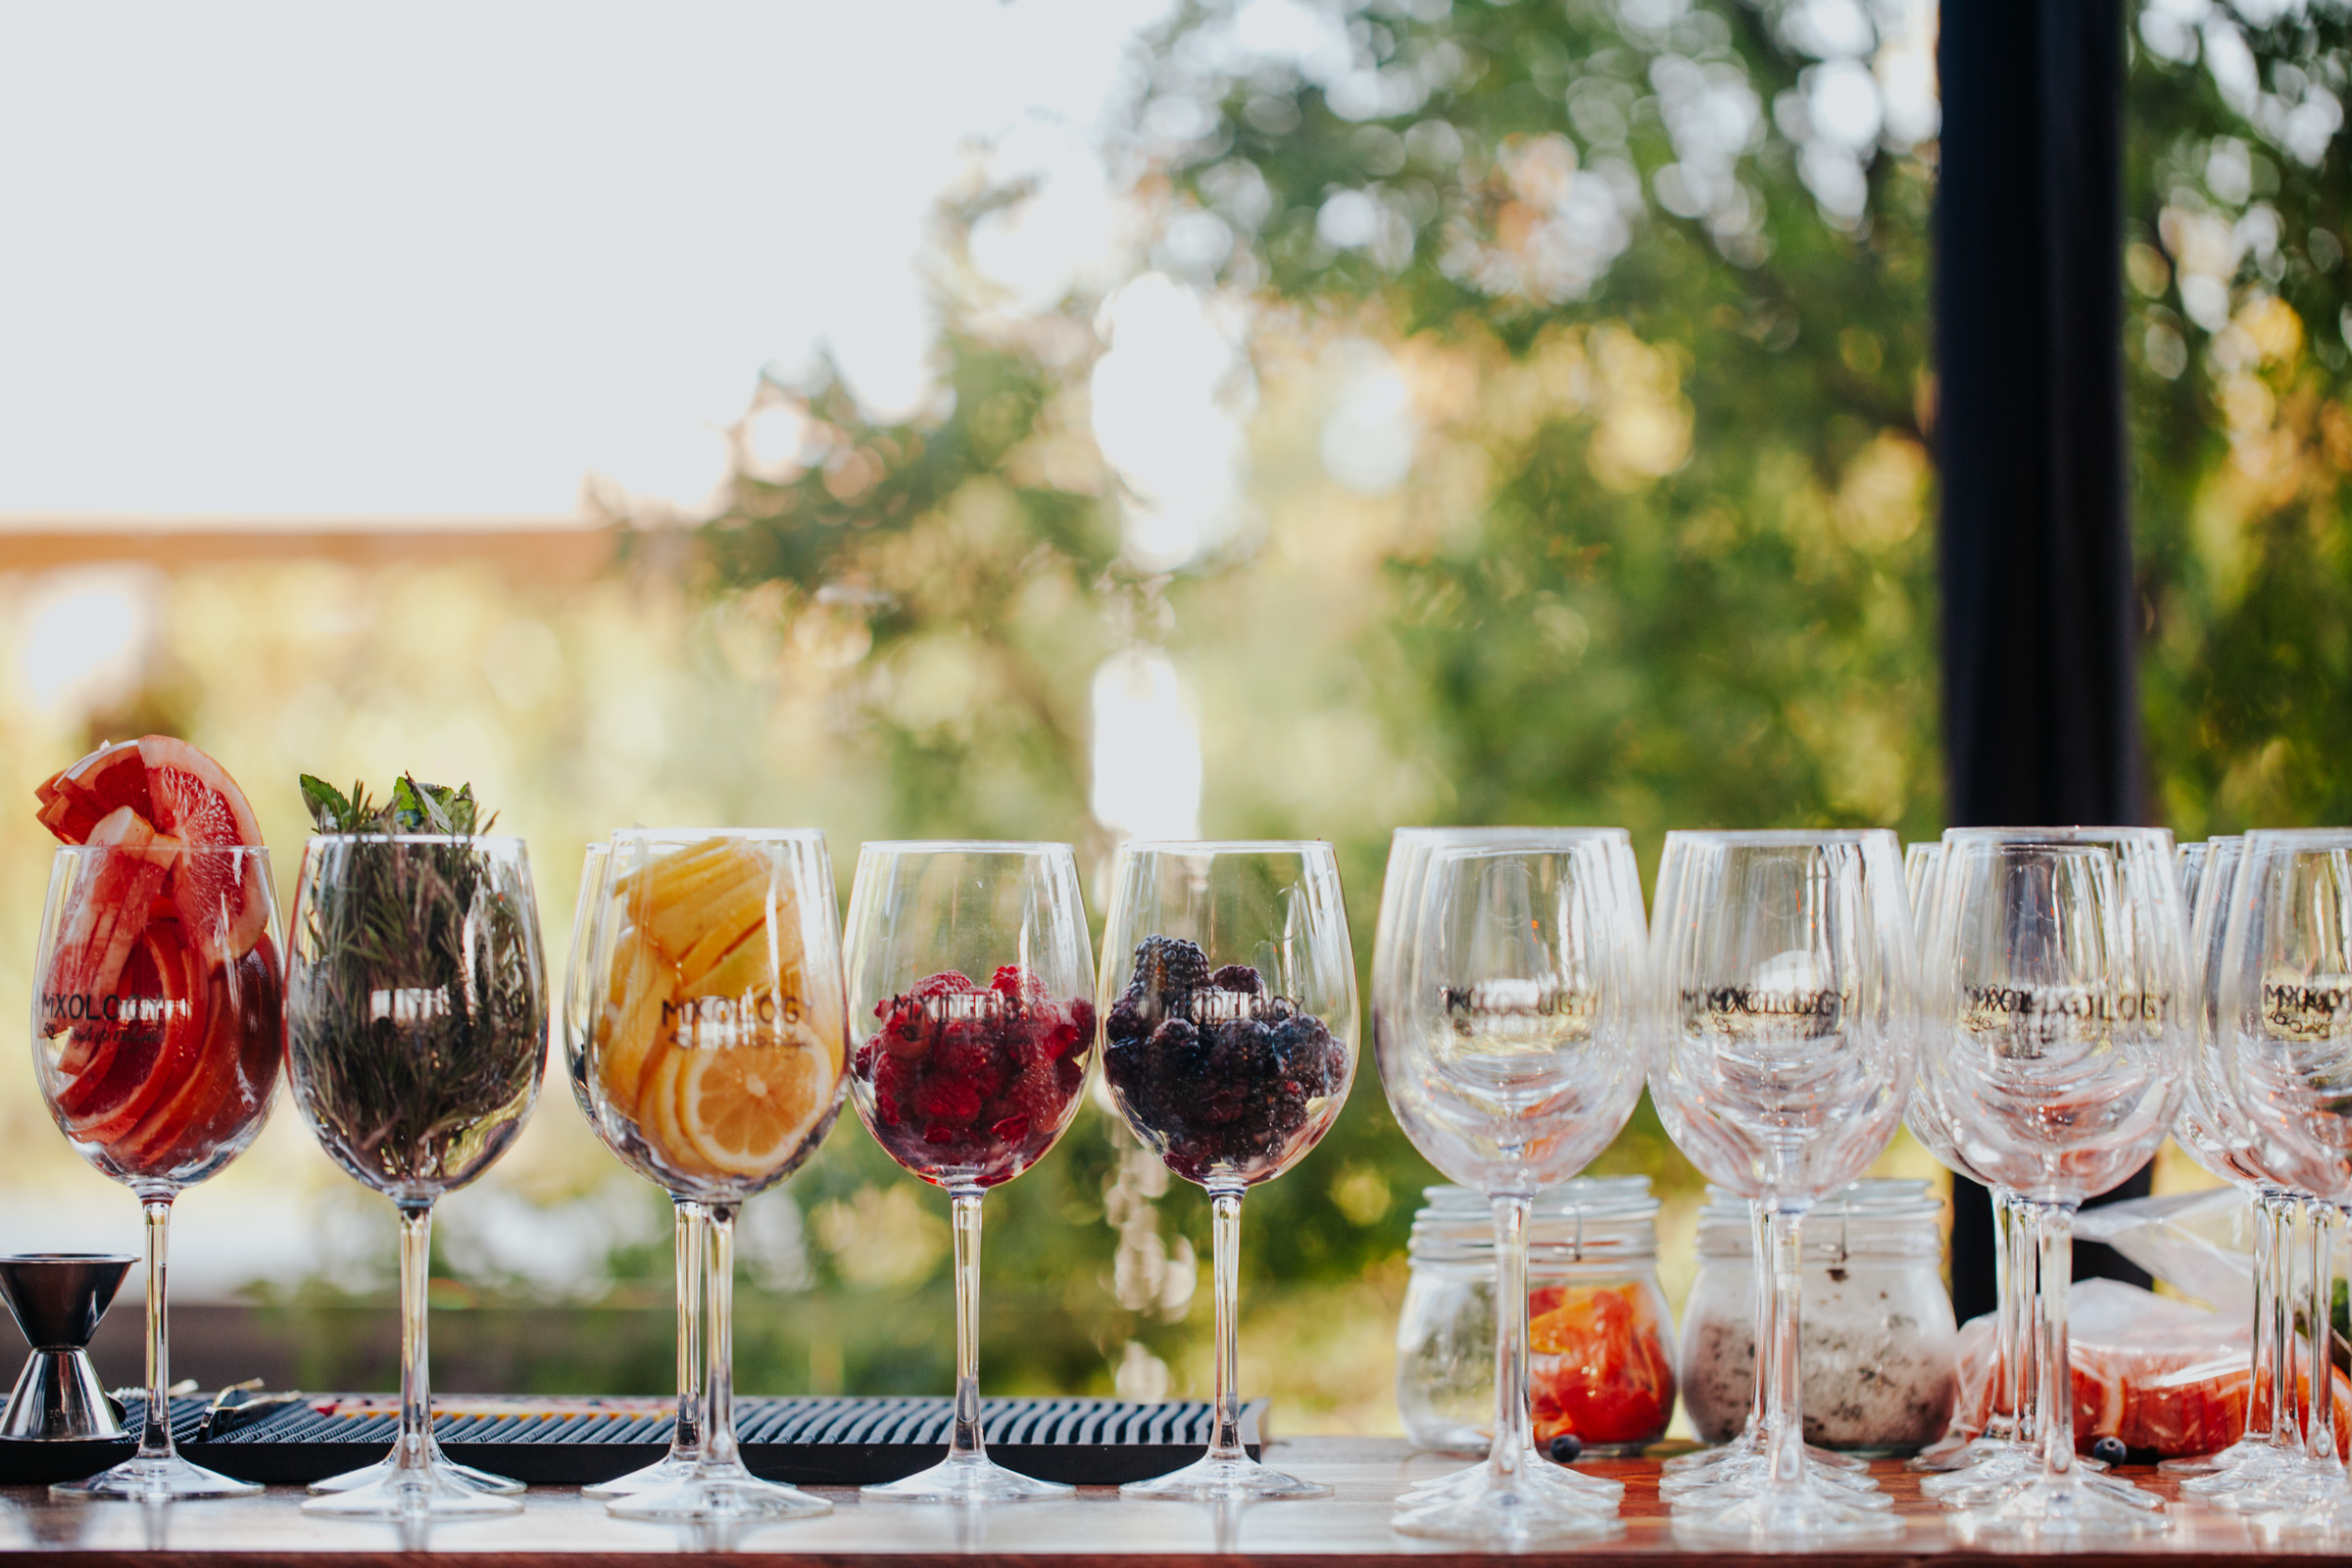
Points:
[(710, 1054)]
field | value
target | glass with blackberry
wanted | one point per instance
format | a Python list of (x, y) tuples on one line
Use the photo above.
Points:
[(1229, 1041), (972, 960)]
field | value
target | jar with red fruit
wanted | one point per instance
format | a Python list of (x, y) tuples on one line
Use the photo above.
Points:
[(1600, 1336)]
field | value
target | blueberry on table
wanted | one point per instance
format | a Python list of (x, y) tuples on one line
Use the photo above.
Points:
[(2108, 1451), (1566, 1448)]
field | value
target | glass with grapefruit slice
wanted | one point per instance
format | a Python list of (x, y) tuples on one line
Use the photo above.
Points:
[(416, 1034), (157, 1014), (711, 1054), (973, 962)]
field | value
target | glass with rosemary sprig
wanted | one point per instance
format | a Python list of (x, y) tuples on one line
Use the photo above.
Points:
[(416, 1032)]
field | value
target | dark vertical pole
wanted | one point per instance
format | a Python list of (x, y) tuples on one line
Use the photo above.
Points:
[(2041, 712)]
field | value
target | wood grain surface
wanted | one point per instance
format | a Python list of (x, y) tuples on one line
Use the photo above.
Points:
[(558, 1526)]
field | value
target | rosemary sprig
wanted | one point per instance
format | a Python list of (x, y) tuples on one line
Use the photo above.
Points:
[(416, 1017)]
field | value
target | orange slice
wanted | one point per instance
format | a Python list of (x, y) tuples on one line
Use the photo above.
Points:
[(745, 1110), (632, 1027)]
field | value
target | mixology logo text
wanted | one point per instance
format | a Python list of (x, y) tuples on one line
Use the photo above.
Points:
[(1724, 1003), (2304, 1010), (2052, 1006), (76, 1006)]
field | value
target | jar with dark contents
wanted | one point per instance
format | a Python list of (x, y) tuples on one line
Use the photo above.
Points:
[(1880, 1346), (1601, 1340)]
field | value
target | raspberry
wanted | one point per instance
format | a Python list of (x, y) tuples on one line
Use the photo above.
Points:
[(1019, 985), (1010, 1130), (863, 1063), (942, 1100), (945, 983), (967, 1052)]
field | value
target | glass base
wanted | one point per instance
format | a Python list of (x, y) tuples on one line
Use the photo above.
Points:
[(1744, 1476), (2300, 1484), (1749, 1444), (2245, 1480), (2081, 1507), (1541, 1474), (157, 1478), (672, 1466), (426, 1491), (465, 1475), (1209, 1478), (719, 1491), (2004, 1475), (2219, 1462), (1962, 1453), (966, 1478), (1508, 1511), (1782, 1519), (2321, 1518)]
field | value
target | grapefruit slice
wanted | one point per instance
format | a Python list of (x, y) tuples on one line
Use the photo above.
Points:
[(76, 801), (163, 1012), (220, 897), (114, 889), (745, 1110), (230, 1079)]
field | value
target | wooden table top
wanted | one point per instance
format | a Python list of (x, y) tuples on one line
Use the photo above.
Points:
[(558, 1525)]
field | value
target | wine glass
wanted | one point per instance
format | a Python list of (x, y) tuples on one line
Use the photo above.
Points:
[(1511, 1051), (973, 961), (1400, 909), (2281, 1026), (2213, 1129), (416, 1034), (581, 1009), (156, 1038), (1784, 1028), (714, 1069), (2055, 984), (1228, 1012)]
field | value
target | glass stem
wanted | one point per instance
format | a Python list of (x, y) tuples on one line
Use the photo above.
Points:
[(2001, 1420), (155, 1428), (2261, 1391), (1514, 1428), (718, 1377), (686, 1439), (2286, 1410), (967, 1440), (413, 1450), (2055, 1225), (2024, 1268), (1784, 1401), (1225, 1245), (2323, 1220), (1759, 1263)]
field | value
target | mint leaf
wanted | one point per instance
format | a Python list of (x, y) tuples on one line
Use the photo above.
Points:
[(328, 807)]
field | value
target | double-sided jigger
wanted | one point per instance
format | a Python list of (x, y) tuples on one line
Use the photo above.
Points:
[(57, 1299)]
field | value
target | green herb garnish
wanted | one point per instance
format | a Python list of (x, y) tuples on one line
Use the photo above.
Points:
[(416, 1013), (414, 808)]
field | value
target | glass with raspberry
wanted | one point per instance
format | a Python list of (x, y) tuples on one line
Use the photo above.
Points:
[(1229, 1022), (157, 1016), (972, 961)]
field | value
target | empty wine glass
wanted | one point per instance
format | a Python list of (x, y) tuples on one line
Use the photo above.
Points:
[(1511, 1055), (714, 1068), (581, 1009), (2281, 1027), (1229, 1014), (1400, 909), (415, 1034), (2055, 986), (156, 1040), (1784, 1024), (974, 961), (2212, 1128)]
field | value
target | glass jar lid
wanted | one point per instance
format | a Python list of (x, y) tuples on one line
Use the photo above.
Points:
[(1893, 1217), (1590, 1217)]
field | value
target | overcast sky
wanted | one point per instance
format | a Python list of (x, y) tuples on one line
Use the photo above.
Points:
[(449, 259)]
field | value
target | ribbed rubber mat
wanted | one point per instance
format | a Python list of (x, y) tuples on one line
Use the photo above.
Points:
[(811, 1440)]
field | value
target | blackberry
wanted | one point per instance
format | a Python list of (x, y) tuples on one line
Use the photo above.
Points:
[(1166, 969), (1239, 977), (1125, 1020)]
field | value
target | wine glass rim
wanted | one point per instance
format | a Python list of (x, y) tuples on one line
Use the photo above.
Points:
[(697, 835), (175, 848), (1778, 837), (965, 846), (478, 839), (1223, 845), (1484, 836), (2301, 837), (2092, 835)]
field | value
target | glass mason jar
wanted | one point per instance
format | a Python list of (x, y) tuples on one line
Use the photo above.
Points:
[(1600, 1339), (1876, 1328)]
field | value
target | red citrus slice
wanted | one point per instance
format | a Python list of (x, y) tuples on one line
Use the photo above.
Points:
[(228, 1081), (105, 914), (220, 897), (76, 801)]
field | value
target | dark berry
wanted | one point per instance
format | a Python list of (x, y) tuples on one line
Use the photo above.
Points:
[(1566, 1448), (1125, 1020), (1167, 968), (2111, 1450), (1239, 977)]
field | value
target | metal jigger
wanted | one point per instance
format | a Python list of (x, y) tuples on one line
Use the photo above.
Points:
[(57, 1299)]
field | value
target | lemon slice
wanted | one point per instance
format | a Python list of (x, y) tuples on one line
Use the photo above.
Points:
[(746, 1109)]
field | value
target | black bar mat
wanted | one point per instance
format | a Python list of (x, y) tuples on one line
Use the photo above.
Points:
[(808, 1440)]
